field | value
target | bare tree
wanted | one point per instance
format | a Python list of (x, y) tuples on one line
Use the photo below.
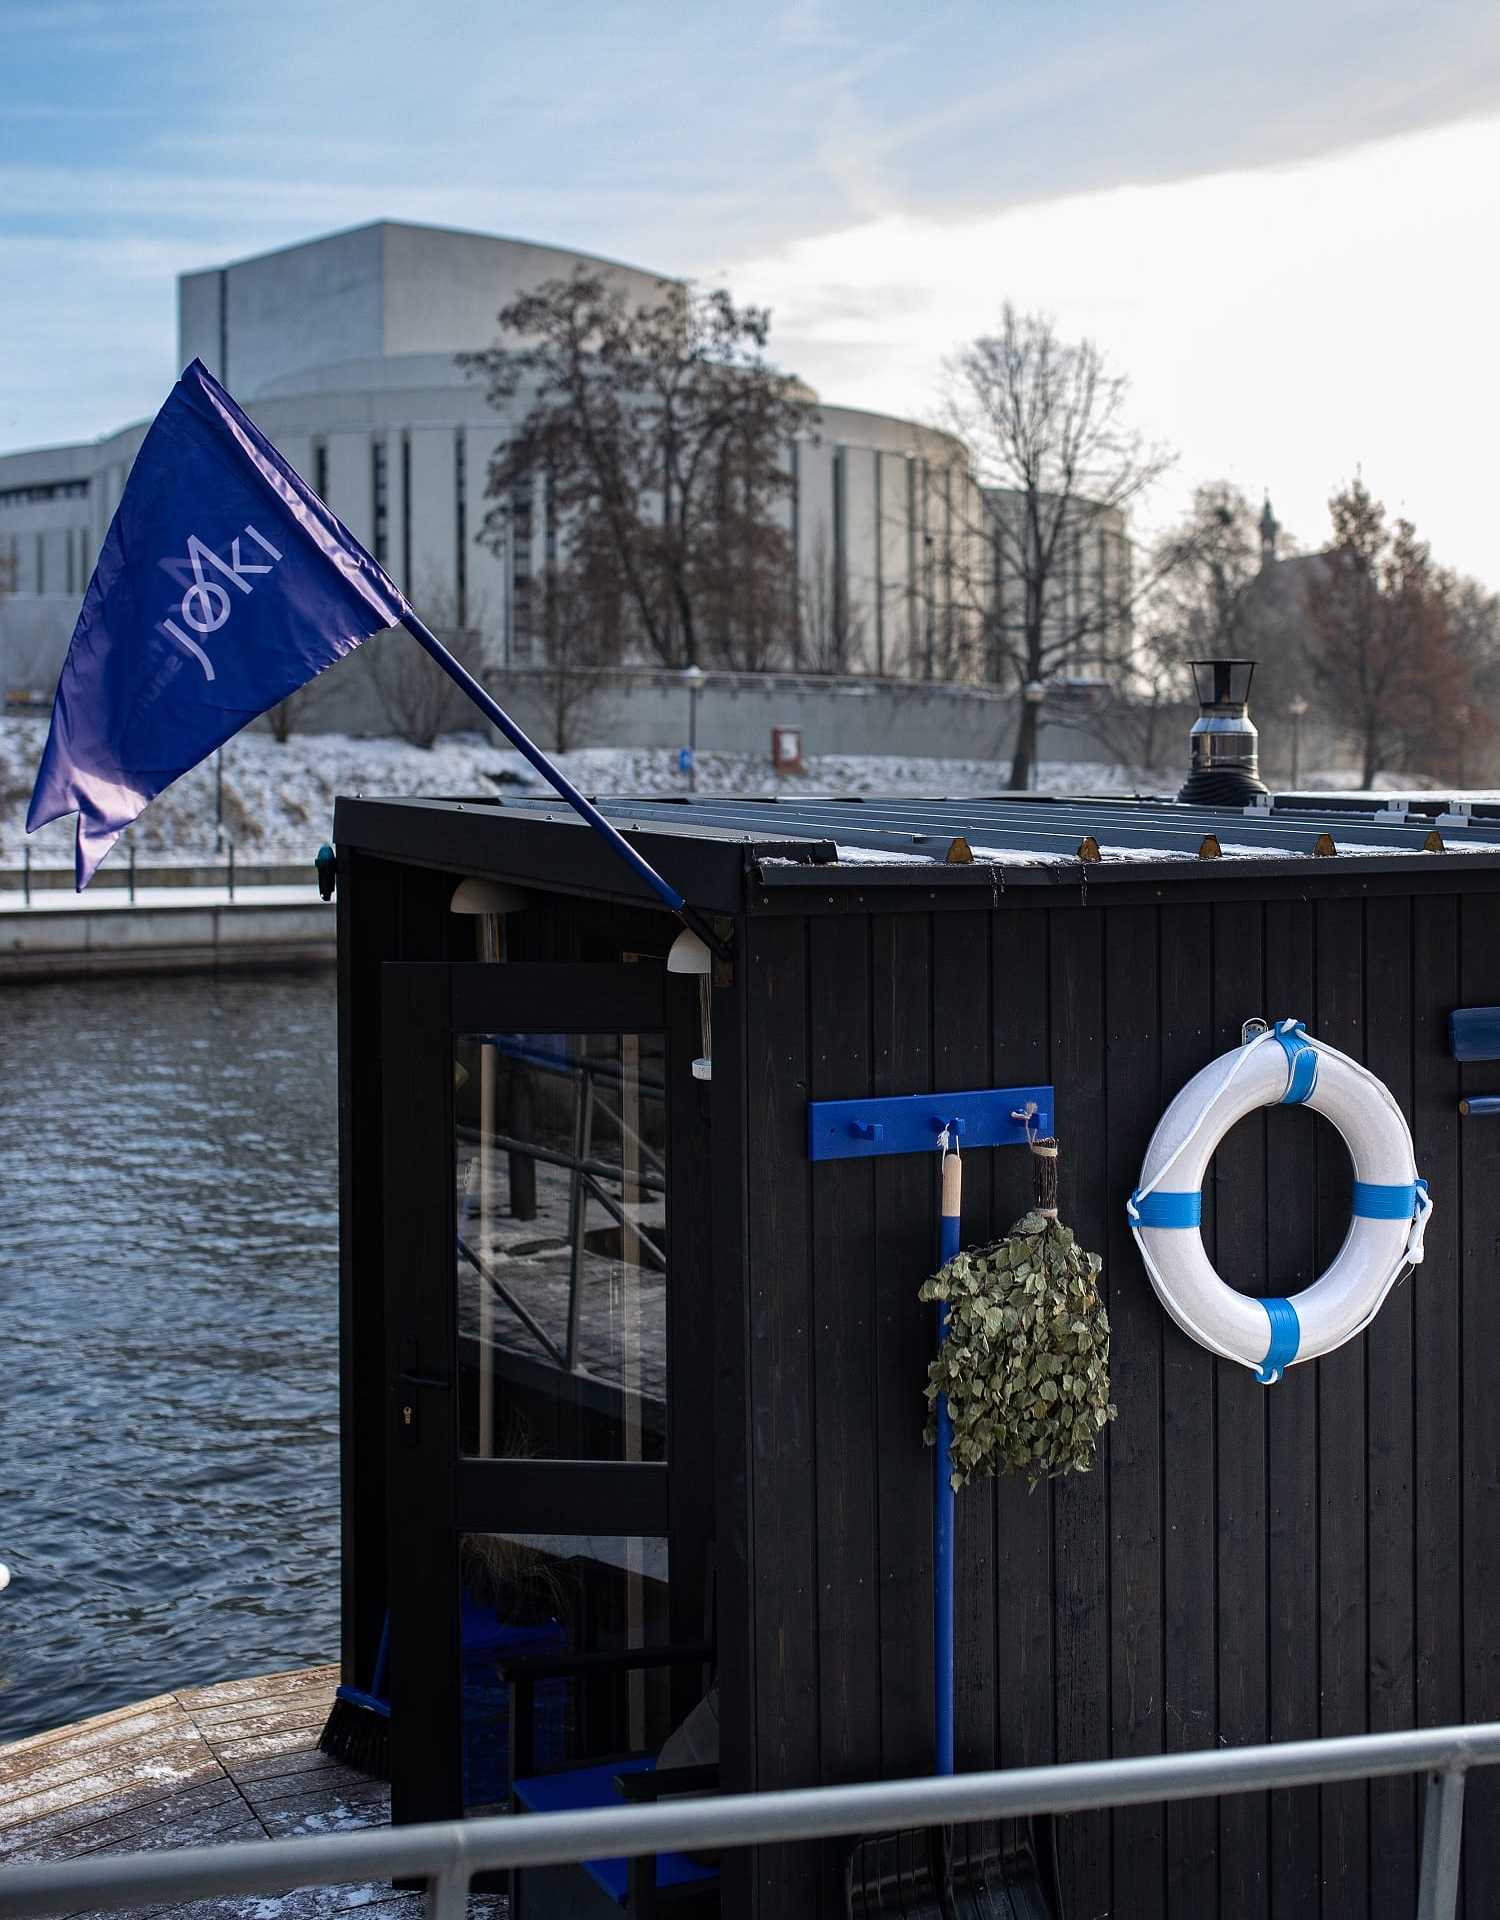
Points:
[(1378, 647), (419, 700), (1473, 631), (291, 715), (1045, 423), (831, 624), (579, 622), (661, 430)]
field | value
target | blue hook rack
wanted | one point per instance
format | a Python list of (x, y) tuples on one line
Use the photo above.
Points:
[(911, 1123)]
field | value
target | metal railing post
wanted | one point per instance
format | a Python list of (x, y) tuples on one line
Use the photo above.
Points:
[(132, 872), (231, 869), (1442, 1845), (26, 873), (448, 1894)]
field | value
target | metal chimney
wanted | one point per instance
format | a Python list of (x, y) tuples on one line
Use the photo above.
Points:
[(1225, 763)]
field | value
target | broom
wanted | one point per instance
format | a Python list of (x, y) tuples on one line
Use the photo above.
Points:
[(358, 1730)]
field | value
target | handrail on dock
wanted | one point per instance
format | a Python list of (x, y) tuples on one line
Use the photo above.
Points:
[(447, 1855)]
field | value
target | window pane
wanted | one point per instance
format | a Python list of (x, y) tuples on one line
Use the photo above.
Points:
[(560, 1264), (537, 1597)]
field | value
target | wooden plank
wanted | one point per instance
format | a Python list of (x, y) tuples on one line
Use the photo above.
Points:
[(201, 1821), (1292, 1436), (1025, 1640), (1190, 1700), (345, 1809), (306, 1783), (728, 1106), (693, 1425), (961, 1040), (223, 1724), (1479, 959), (186, 1764), (1132, 1446), (904, 1223), (784, 1463), (206, 1703), (1390, 1443), (1081, 1534), (1342, 1492), (233, 1754), (426, 1750), (87, 1743), (1437, 1332), (285, 1766), (848, 1436), (73, 1775), (369, 935), (107, 1825), (1238, 1175)]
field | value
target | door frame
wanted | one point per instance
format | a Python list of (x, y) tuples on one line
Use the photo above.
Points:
[(434, 1494)]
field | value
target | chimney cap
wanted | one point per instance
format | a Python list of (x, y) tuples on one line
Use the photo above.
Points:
[(1222, 683)]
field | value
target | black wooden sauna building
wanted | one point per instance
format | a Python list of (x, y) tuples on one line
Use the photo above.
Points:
[(632, 1386)]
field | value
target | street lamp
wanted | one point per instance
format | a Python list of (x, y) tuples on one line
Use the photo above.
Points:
[(1034, 693), (1296, 708), (693, 678)]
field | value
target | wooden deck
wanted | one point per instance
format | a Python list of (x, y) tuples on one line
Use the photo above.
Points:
[(238, 1761)]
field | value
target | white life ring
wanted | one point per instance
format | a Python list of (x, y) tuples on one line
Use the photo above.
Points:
[(1280, 1065)]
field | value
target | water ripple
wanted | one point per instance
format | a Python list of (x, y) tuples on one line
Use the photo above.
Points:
[(168, 1317)]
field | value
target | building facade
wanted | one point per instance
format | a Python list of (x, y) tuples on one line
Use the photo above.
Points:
[(343, 351)]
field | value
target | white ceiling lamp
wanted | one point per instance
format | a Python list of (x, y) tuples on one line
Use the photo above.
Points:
[(689, 954)]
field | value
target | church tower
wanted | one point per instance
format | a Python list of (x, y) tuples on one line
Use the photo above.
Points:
[(1270, 532)]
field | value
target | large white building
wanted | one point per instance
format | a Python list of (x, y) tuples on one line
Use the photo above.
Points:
[(342, 349)]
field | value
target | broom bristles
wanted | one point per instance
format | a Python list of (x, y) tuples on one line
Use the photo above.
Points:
[(358, 1732)]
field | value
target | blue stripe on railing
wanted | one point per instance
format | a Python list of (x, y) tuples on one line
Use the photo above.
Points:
[(1301, 1065), (1167, 1209), (1372, 1202), (1286, 1337)]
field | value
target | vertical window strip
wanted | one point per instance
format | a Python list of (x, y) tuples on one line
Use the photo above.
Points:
[(461, 534), (520, 563), (879, 565), (912, 585), (796, 553), (406, 511), (840, 550), (379, 501)]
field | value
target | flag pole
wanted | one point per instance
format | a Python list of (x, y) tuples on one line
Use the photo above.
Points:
[(585, 809)]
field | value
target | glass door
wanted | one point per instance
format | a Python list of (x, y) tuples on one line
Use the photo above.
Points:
[(530, 1296)]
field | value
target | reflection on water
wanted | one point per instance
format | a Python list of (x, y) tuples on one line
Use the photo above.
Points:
[(168, 1325)]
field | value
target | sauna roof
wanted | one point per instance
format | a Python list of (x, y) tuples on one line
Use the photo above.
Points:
[(710, 844)]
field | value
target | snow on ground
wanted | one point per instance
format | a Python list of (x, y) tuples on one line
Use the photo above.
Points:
[(278, 800)]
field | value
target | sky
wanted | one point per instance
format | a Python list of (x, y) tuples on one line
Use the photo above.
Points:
[(1280, 222)]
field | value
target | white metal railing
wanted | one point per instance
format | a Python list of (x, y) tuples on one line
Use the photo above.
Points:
[(447, 1856)]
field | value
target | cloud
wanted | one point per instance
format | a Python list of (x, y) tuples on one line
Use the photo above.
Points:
[(1281, 328)]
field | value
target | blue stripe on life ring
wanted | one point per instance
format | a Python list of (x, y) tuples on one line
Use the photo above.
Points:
[(1301, 1064), (1372, 1202), (1286, 1337), (1166, 1209)]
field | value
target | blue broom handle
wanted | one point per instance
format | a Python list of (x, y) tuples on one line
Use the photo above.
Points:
[(497, 716), (942, 1495)]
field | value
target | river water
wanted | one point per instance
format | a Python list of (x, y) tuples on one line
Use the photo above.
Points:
[(168, 1338)]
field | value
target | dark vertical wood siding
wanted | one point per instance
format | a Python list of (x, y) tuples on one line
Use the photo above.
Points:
[(1247, 1563)]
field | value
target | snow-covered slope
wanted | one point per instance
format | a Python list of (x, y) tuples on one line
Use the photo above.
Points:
[(278, 800)]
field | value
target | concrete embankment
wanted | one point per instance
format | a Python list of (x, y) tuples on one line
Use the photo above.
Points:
[(162, 928)]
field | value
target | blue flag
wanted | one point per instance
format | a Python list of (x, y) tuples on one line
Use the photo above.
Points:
[(223, 585)]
